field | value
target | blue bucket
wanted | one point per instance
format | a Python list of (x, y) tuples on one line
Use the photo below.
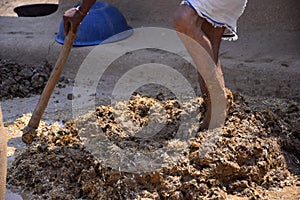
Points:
[(104, 24)]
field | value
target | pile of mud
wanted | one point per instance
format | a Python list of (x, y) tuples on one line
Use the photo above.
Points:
[(256, 150), (20, 80)]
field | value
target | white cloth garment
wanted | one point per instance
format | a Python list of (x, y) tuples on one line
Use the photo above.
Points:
[(224, 13)]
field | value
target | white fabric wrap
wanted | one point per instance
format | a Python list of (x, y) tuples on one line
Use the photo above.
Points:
[(220, 12)]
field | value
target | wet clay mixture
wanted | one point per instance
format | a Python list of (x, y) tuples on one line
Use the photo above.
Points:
[(106, 155), (20, 80)]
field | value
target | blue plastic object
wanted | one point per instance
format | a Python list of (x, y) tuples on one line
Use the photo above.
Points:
[(104, 24)]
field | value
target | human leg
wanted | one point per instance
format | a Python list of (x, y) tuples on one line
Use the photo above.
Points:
[(215, 35), (188, 23)]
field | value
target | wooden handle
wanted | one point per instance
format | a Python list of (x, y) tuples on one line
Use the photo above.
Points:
[(53, 79), (3, 154)]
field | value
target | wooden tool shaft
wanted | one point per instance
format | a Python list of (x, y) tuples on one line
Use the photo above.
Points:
[(53, 79), (3, 155)]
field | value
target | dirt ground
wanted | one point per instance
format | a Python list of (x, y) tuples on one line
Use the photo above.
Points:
[(263, 63), (267, 50)]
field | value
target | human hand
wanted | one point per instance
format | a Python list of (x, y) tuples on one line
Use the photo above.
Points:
[(72, 19)]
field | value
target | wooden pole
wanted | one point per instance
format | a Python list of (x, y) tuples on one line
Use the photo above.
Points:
[(3, 158)]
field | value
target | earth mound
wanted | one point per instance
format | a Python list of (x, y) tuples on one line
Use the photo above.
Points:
[(256, 150)]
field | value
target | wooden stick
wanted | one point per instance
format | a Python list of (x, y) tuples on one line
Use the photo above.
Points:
[(3, 158), (29, 131)]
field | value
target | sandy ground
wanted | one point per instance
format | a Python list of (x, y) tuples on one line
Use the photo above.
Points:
[(263, 62)]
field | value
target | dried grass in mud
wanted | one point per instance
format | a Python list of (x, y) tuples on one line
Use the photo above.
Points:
[(256, 150)]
